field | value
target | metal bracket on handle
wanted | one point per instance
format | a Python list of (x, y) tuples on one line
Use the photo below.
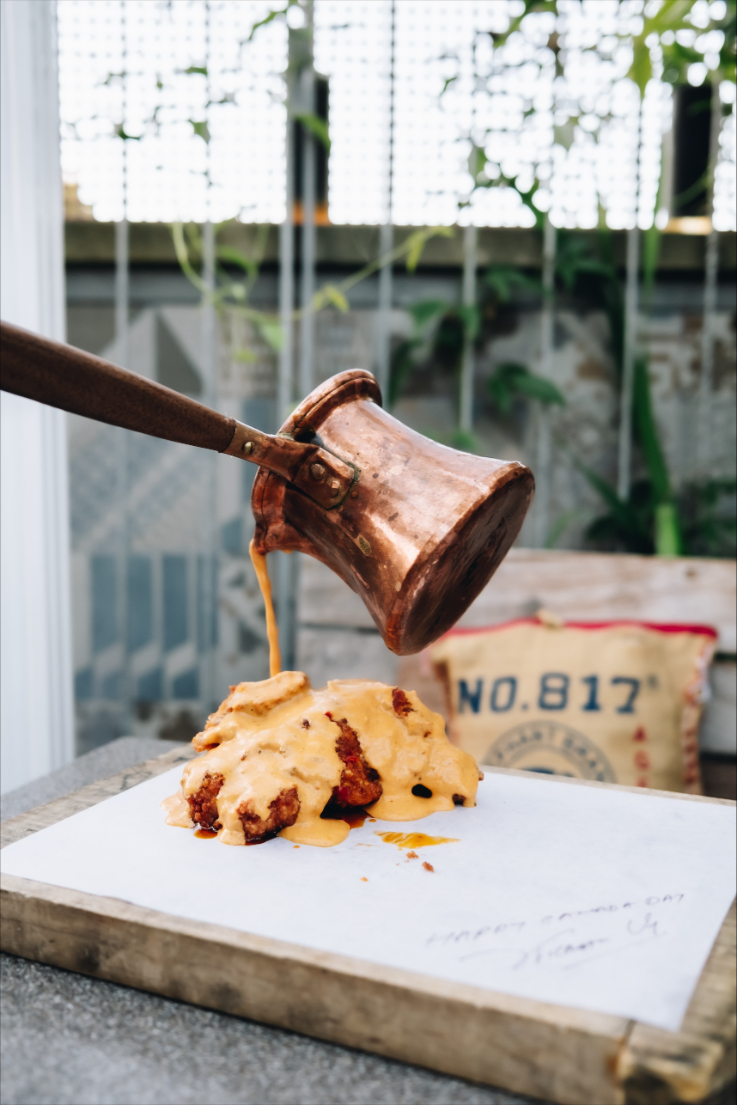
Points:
[(319, 474)]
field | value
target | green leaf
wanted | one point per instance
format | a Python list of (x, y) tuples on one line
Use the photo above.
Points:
[(641, 70), (201, 129), (667, 530), (464, 440), (271, 332), (622, 512), (537, 387), (427, 309), (647, 432), (471, 320), (503, 278), (531, 6), (317, 127), (120, 131), (230, 253), (415, 252), (511, 380), (501, 386), (328, 293), (201, 69), (651, 240), (564, 134), (671, 16), (477, 161), (402, 363), (268, 19), (448, 82), (415, 243)]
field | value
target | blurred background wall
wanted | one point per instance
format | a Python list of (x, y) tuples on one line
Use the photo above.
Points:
[(520, 217)]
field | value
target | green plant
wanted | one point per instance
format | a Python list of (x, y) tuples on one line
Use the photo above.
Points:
[(515, 381), (441, 329), (707, 513), (648, 520), (232, 289)]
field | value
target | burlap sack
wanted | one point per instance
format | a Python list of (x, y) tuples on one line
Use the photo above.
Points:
[(617, 702)]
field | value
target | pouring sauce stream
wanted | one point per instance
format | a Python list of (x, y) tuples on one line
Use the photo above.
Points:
[(272, 630)]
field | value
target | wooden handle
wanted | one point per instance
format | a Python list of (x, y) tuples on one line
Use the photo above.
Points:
[(62, 376)]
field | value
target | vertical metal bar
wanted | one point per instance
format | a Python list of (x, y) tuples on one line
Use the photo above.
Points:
[(383, 314), (307, 322), (285, 383), (386, 241), (122, 288), (122, 337), (631, 333), (711, 275), (544, 438), (631, 328), (300, 87), (465, 420), (208, 338), (209, 692)]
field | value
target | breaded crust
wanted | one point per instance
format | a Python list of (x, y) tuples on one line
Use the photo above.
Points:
[(359, 782), (400, 703), (284, 810), (203, 805)]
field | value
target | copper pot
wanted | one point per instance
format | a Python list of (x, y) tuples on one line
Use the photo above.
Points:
[(417, 530), (420, 530)]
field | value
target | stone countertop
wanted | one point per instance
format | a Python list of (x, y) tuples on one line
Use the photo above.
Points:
[(72, 1040)]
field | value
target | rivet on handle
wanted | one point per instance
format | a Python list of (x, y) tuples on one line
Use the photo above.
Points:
[(247, 447)]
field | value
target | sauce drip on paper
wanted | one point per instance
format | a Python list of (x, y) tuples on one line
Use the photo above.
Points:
[(272, 630), (416, 840)]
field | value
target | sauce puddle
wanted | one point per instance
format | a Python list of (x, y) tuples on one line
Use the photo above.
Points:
[(416, 840), (355, 817), (205, 834)]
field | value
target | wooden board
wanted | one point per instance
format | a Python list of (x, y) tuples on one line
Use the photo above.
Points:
[(557, 1053)]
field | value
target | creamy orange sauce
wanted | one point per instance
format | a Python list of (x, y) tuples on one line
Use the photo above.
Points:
[(416, 840), (259, 743), (278, 734), (272, 630)]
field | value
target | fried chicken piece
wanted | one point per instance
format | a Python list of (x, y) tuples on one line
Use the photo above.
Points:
[(400, 703), (203, 805), (359, 783), (284, 810)]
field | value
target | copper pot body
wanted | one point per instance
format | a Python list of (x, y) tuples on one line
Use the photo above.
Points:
[(423, 527)]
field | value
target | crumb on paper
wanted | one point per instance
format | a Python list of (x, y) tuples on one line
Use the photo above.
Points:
[(428, 866), (363, 878), (412, 855)]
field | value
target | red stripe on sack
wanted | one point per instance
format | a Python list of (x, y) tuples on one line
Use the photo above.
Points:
[(666, 627)]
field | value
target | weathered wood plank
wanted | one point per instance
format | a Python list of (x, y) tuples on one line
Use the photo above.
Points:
[(700, 1058), (563, 1054), (575, 585), (459, 1030)]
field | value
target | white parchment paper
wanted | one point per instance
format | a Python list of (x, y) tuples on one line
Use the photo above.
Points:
[(600, 899)]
